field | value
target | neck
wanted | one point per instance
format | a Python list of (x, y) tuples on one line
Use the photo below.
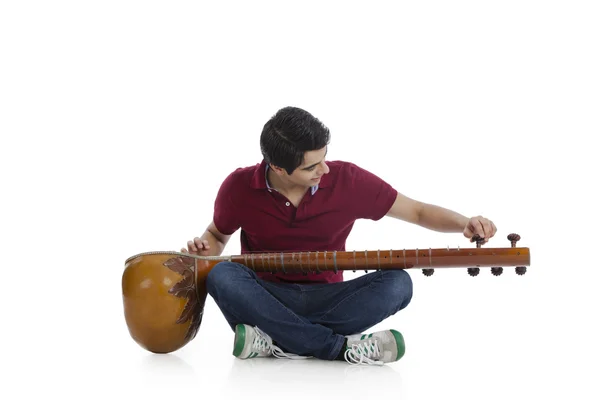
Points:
[(281, 186)]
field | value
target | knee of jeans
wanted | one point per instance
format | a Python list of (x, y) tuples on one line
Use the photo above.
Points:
[(399, 287), (221, 275)]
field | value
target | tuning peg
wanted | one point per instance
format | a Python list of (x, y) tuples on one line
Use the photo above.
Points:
[(428, 271), (514, 238), (475, 271), (478, 239), (496, 271)]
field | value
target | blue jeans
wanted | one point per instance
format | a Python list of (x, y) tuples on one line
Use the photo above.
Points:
[(308, 319)]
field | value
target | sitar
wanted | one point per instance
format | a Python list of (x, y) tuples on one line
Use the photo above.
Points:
[(164, 292)]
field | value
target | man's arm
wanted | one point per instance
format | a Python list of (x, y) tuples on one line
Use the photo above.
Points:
[(440, 219), (211, 243)]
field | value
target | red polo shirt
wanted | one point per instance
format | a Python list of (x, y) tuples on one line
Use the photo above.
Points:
[(322, 221)]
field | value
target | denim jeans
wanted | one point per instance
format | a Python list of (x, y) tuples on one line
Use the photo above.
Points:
[(308, 319)]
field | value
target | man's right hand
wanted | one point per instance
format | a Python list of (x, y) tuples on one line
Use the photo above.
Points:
[(197, 246)]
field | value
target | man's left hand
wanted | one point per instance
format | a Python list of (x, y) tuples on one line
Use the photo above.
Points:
[(480, 226)]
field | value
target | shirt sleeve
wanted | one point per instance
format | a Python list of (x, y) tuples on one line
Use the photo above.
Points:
[(225, 213), (371, 196)]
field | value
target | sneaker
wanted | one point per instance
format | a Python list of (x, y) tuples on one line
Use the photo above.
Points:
[(251, 342), (375, 348)]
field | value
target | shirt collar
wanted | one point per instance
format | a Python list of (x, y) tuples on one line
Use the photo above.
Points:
[(259, 179), (313, 189)]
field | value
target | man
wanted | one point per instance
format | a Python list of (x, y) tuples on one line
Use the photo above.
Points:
[(294, 200)]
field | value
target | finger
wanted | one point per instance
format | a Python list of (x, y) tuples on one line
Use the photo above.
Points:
[(184, 250), (191, 246), (468, 232), (478, 228), (487, 228), (201, 244)]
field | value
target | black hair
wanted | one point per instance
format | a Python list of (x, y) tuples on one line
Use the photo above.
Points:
[(289, 134)]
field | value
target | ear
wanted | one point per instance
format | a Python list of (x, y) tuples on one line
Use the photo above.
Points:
[(278, 170)]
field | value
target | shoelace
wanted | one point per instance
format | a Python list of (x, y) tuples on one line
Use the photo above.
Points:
[(363, 353), (263, 342)]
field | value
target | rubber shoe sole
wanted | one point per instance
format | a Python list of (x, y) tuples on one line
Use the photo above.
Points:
[(399, 343), (240, 339)]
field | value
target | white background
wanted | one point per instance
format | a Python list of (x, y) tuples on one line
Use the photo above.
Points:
[(120, 119)]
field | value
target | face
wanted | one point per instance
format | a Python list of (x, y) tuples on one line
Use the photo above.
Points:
[(311, 170)]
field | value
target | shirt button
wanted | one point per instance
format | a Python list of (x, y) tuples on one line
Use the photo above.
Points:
[(287, 203)]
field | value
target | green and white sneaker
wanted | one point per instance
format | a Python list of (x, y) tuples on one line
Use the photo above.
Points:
[(251, 342), (375, 348)]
